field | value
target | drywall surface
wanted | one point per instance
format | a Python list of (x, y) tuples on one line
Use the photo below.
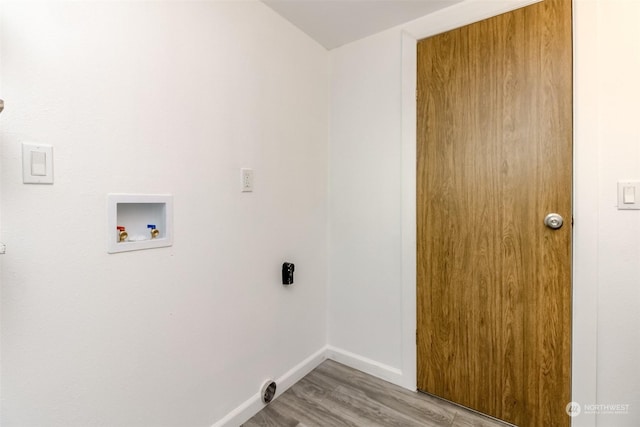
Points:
[(365, 309), (152, 98), (617, 63)]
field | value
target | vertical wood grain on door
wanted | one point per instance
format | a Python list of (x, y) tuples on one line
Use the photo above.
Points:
[(494, 158)]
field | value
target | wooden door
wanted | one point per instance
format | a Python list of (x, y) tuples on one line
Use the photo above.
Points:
[(494, 158)]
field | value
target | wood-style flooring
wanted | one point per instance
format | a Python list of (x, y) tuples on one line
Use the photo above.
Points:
[(334, 395)]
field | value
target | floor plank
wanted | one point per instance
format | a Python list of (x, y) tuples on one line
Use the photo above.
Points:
[(334, 395)]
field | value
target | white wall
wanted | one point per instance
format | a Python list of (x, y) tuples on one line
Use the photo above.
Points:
[(159, 97), (365, 309), (370, 208), (617, 62)]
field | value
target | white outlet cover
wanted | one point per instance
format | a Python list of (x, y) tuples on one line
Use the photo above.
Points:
[(246, 180)]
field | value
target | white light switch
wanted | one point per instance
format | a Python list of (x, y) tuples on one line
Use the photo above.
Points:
[(628, 192), (37, 164)]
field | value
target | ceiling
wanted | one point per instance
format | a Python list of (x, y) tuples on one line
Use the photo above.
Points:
[(333, 23)]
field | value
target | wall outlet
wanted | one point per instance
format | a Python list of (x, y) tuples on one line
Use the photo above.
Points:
[(246, 180)]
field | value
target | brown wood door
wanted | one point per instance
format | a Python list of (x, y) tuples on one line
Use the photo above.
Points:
[(494, 158)]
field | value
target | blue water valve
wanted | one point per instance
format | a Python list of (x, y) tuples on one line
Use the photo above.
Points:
[(153, 230)]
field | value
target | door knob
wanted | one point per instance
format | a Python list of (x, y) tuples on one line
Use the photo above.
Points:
[(553, 221)]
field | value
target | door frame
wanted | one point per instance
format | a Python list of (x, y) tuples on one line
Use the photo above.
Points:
[(585, 201)]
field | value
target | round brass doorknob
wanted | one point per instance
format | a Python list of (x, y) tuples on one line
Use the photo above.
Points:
[(553, 221)]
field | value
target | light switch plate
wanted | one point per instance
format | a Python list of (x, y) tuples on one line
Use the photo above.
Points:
[(37, 163), (628, 195)]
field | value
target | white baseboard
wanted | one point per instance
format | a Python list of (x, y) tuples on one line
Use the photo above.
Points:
[(371, 367), (254, 404)]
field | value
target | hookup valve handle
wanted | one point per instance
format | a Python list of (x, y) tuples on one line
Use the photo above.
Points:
[(122, 234), (154, 231)]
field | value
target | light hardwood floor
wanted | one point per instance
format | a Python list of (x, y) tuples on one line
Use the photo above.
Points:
[(334, 395)]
